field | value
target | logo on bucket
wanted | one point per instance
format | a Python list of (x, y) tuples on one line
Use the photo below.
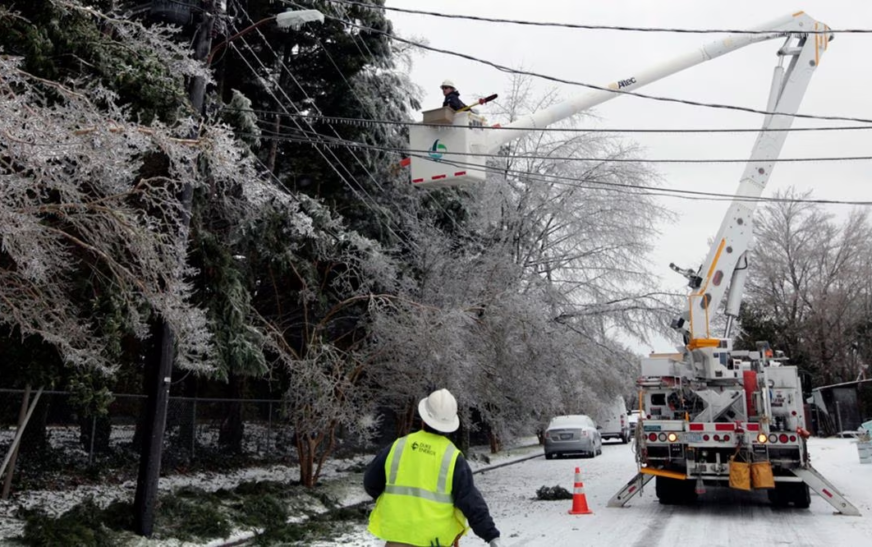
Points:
[(437, 150)]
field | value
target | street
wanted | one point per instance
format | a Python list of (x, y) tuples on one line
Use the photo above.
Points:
[(722, 517)]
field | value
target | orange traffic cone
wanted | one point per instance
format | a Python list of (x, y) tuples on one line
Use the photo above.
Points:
[(579, 501)]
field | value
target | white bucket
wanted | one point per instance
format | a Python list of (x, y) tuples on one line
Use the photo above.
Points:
[(865, 450)]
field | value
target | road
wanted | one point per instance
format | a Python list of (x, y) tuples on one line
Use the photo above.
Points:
[(722, 517)]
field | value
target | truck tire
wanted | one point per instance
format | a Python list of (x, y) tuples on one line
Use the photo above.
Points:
[(778, 495), (674, 491), (801, 497), (786, 493), (665, 490)]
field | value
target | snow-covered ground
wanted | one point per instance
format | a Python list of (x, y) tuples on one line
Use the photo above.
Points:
[(723, 517), (339, 485)]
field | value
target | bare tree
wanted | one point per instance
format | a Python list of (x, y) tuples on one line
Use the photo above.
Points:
[(810, 281), (519, 305)]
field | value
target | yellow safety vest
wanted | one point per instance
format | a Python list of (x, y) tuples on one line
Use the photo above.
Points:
[(417, 506)]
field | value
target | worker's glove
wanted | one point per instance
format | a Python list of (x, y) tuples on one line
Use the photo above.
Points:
[(496, 543)]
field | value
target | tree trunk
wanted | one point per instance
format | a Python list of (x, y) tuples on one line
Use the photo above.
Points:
[(463, 438), (232, 429), (34, 441), (495, 444), (102, 429), (311, 460), (405, 421), (187, 419)]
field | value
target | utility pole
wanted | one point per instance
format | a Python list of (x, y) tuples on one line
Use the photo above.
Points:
[(159, 363), (159, 367)]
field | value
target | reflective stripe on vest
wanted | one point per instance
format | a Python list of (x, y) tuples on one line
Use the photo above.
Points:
[(438, 497)]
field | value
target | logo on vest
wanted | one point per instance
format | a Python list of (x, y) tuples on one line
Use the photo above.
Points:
[(424, 447)]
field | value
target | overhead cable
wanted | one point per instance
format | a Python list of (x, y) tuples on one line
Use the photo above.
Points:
[(351, 187), (622, 28), (607, 159), (545, 177), (369, 121), (547, 77)]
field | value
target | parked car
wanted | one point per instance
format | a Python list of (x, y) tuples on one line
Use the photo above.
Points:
[(575, 434), (614, 424)]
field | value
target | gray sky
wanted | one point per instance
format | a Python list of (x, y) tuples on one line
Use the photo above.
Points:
[(842, 86)]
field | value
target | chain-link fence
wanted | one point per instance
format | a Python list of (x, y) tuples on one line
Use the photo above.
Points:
[(63, 443)]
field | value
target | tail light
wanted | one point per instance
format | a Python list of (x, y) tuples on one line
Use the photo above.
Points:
[(652, 437), (793, 438), (726, 438), (782, 438)]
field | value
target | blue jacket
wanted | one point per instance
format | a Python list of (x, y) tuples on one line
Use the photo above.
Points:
[(467, 498), (453, 100)]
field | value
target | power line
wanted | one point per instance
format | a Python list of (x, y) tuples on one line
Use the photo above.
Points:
[(323, 155), (332, 165), (371, 121), (666, 192), (365, 105), (509, 70), (599, 185), (578, 26), (608, 159)]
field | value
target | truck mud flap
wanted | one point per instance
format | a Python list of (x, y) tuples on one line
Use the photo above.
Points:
[(631, 489), (826, 490)]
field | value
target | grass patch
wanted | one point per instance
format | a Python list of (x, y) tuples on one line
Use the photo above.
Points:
[(82, 526), (262, 512), (259, 488), (307, 532), (193, 514), (188, 517)]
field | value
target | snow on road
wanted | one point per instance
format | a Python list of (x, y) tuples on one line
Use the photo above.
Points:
[(722, 517)]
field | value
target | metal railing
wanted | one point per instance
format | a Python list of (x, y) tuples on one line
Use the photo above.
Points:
[(61, 438)]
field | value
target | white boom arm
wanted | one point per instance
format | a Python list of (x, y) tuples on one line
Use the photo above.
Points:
[(440, 156), (799, 22), (727, 260)]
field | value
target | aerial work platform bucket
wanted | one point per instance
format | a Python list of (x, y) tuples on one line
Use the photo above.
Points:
[(439, 152)]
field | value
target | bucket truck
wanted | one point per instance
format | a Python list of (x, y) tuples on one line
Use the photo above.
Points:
[(705, 405)]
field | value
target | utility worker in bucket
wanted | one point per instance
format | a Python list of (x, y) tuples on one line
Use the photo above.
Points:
[(452, 96), (423, 485)]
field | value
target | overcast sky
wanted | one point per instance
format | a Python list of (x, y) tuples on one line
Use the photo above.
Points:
[(842, 86)]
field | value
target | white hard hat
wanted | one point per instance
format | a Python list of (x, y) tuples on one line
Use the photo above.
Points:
[(448, 83), (439, 411)]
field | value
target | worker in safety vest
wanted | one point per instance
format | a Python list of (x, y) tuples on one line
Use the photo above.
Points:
[(452, 96), (424, 487)]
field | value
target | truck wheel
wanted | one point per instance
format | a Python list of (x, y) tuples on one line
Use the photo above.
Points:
[(665, 489), (779, 496), (801, 497), (675, 491)]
